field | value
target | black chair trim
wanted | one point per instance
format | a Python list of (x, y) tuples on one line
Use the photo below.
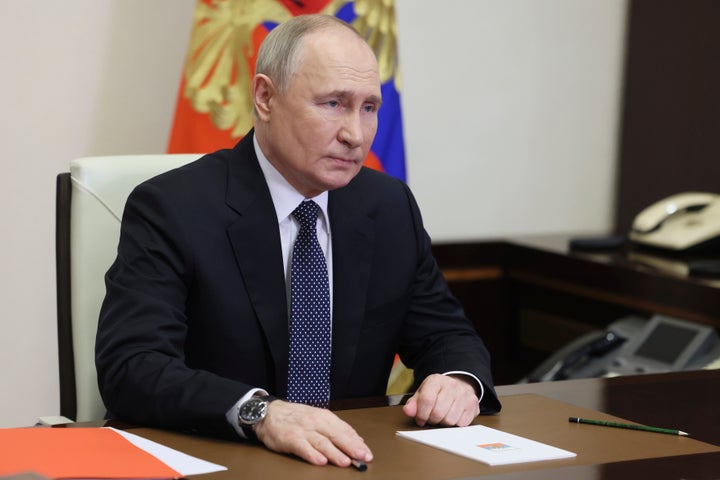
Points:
[(68, 395)]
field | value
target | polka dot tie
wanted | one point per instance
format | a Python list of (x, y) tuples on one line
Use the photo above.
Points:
[(309, 370)]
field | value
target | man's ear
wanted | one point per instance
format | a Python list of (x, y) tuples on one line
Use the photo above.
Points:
[(263, 91)]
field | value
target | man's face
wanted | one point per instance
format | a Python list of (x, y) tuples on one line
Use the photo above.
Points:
[(318, 132)]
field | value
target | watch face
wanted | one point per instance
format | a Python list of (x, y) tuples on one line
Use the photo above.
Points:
[(253, 411)]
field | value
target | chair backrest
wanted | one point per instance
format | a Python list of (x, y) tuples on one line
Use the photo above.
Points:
[(90, 202)]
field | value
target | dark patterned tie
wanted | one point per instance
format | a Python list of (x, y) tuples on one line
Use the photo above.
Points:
[(309, 370)]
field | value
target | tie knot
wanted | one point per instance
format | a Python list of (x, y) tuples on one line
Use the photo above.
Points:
[(306, 214)]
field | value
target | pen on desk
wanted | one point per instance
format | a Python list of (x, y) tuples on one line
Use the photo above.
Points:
[(359, 464), (627, 425)]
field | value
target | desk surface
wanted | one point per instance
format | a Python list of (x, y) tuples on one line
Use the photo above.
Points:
[(688, 400), (539, 411), (629, 256), (632, 276)]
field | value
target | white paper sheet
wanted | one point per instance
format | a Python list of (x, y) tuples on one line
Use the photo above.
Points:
[(178, 461), (486, 445)]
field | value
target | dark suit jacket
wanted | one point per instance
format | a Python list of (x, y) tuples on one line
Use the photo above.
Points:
[(196, 311)]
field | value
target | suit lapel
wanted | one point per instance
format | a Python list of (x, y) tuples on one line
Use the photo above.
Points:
[(255, 241), (353, 238)]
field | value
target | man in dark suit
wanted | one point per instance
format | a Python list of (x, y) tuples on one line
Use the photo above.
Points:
[(195, 329)]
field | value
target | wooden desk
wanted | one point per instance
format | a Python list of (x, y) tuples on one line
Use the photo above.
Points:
[(696, 467), (530, 296), (689, 399), (538, 411), (630, 277)]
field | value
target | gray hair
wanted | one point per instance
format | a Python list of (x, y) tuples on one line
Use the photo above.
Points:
[(279, 54)]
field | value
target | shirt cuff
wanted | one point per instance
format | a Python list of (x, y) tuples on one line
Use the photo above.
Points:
[(481, 390), (232, 414)]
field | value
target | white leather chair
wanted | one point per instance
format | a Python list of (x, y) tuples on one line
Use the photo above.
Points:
[(90, 202)]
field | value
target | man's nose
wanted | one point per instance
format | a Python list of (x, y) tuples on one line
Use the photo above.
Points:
[(351, 133)]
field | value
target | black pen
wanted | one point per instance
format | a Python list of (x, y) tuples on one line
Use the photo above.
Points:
[(359, 464), (627, 425)]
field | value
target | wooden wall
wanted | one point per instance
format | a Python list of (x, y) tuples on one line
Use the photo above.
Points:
[(670, 138)]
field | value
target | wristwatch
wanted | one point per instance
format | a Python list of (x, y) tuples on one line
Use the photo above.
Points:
[(252, 411)]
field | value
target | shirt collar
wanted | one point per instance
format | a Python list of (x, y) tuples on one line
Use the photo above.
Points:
[(284, 196)]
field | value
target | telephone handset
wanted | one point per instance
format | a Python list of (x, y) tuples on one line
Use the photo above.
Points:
[(576, 354), (630, 346), (679, 222)]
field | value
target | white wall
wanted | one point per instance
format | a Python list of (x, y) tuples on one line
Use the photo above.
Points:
[(511, 113), (510, 108), (81, 77)]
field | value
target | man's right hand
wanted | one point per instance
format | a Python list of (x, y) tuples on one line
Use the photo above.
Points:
[(313, 434)]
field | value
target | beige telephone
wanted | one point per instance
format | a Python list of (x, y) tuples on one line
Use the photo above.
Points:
[(679, 222)]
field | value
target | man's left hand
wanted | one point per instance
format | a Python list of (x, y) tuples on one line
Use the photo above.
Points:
[(447, 400)]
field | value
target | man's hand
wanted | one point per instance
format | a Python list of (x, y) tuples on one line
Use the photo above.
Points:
[(446, 400), (313, 434)]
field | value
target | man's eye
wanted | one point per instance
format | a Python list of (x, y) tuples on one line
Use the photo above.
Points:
[(333, 103), (369, 108)]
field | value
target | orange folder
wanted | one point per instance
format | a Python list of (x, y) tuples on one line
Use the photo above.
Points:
[(61, 453)]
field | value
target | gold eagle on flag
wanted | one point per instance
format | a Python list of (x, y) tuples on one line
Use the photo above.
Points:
[(221, 58)]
